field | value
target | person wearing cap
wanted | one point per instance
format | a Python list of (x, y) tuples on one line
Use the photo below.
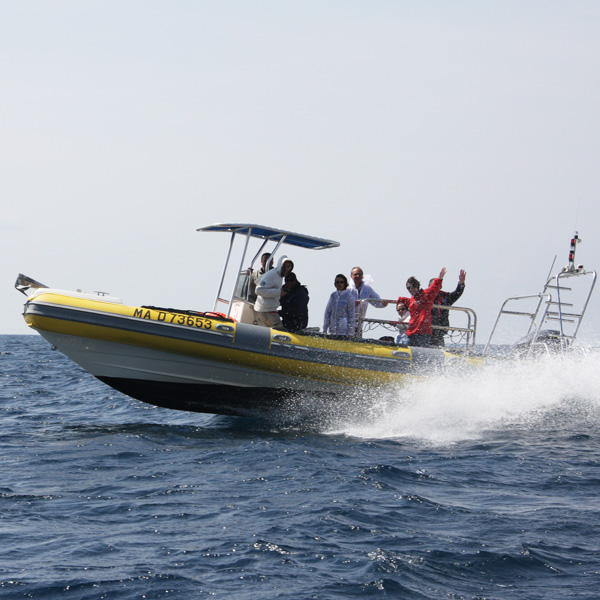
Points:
[(268, 293), (294, 304), (419, 304)]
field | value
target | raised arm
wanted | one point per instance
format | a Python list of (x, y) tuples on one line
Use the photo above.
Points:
[(460, 288)]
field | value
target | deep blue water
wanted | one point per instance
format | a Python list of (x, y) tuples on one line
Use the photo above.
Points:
[(484, 486)]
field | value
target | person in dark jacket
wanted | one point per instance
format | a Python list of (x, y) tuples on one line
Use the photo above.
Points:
[(441, 317), (294, 304), (419, 305)]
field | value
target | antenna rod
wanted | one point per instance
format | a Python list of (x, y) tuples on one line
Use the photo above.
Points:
[(574, 241)]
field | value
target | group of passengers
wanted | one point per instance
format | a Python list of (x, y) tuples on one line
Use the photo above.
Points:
[(280, 300), (417, 316)]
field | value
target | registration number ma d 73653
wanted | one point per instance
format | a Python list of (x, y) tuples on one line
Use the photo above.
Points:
[(170, 317)]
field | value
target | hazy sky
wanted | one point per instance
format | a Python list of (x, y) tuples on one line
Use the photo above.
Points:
[(463, 134)]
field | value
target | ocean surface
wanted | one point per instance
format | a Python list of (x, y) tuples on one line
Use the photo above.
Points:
[(480, 487)]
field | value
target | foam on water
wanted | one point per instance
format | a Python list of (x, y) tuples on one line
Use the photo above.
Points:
[(551, 392)]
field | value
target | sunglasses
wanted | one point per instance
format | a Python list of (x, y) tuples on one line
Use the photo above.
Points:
[(401, 308), (339, 281)]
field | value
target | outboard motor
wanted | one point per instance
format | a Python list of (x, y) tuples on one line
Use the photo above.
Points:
[(548, 341)]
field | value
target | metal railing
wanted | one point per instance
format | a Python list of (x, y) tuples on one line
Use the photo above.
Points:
[(550, 307), (464, 335)]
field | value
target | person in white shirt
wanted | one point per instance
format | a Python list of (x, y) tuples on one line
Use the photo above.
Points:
[(362, 291), (268, 293)]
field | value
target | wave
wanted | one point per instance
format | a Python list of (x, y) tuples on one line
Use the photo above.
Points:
[(546, 394)]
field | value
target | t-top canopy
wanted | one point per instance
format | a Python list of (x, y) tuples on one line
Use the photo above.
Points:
[(276, 235)]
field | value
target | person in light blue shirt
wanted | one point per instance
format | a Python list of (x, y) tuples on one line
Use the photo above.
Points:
[(402, 324), (339, 313)]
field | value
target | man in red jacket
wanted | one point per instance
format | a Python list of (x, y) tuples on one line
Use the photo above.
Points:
[(419, 305)]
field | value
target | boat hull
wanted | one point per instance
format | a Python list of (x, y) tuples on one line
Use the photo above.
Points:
[(190, 361)]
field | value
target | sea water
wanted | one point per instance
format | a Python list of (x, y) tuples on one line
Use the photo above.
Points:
[(482, 486)]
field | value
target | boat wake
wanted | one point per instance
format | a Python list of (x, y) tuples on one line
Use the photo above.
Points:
[(551, 393)]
